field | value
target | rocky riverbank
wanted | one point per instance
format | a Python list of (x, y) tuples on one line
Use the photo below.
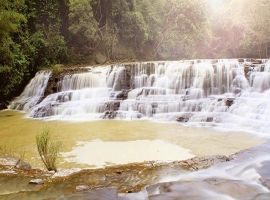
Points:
[(242, 176), (22, 181)]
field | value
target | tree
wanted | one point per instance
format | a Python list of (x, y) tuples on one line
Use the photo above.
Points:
[(12, 61)]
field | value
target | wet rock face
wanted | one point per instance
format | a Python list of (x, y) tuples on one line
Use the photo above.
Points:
[(3, 106), (229, 102), (184, 117), (122, 95), (110, 115)]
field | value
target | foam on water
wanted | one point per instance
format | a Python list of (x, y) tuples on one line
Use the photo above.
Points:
[(225, 94), (33, 92)]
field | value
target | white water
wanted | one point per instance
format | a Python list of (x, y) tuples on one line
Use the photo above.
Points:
[(190, 91), (33, 92), (241, 178)]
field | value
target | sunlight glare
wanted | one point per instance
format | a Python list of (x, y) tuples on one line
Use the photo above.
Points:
[(216, 4)]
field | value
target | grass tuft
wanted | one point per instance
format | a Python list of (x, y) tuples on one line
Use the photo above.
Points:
[(48, 150)]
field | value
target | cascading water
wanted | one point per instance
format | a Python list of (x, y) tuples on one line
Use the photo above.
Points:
[(33, 92), (79, 96), (223, 93)]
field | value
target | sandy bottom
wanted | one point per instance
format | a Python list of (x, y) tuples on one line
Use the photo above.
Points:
[(108, 153), (115, 141)]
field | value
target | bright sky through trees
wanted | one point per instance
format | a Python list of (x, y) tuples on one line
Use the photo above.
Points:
[(216, 4)]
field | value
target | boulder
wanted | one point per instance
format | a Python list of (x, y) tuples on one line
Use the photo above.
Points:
[(23, 165), (100, 59)]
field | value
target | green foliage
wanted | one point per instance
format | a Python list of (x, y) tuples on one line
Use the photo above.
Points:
[(48, 150), (41, 33), (30, 38), (57, 69), (10, 18), (83, 28)]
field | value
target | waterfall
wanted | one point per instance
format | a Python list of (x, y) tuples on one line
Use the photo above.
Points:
[(81, 96), (32, 93), (223, 93)]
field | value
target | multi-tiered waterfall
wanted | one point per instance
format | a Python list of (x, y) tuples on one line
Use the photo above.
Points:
[(226, 93)]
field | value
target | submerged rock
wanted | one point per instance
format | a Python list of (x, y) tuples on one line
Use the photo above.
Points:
[(36, 182)]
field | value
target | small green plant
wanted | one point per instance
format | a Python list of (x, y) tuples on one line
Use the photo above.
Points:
[(48, 150), (57, 69)]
